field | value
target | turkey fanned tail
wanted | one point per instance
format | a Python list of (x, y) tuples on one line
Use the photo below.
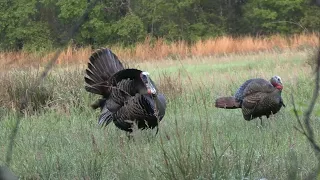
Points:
[(102, 65)]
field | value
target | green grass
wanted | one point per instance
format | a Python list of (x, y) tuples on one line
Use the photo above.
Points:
[(196, 140)]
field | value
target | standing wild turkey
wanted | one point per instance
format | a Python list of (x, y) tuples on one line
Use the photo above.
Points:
[(256, 98), (129, 96)]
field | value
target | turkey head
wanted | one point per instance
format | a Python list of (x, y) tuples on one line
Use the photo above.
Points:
[(276, 82)]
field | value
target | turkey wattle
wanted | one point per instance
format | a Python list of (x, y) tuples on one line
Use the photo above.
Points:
[(256, 97)]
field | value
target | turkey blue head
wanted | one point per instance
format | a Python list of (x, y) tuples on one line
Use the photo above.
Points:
[(145, 77), (276, 82)]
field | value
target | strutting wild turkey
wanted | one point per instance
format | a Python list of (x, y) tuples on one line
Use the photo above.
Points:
[(129, 96), (256, 97)]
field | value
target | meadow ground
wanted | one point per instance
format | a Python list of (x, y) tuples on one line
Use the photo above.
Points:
[(196, 140)]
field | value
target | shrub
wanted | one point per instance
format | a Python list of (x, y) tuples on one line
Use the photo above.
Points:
[(19, 85)]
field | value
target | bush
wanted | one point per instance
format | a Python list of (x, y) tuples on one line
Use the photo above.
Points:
[(18, 85)]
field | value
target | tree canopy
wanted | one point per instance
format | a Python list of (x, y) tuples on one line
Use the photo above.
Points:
[(40, 24)]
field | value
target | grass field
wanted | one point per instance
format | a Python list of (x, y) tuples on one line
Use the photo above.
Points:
[(196, 141)]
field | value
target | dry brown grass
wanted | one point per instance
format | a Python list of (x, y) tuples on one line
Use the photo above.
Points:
[(159, 50), (170, 86)]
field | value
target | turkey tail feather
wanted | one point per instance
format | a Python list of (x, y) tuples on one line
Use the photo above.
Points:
[(103, 63), (227, 103)]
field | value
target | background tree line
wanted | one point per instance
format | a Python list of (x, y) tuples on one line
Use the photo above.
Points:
[(42, 24)]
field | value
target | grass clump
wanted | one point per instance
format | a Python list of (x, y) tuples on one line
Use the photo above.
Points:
[(17, 85)]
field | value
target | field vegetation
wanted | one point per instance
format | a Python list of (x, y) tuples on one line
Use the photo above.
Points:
[(59, 137), (160, 49)]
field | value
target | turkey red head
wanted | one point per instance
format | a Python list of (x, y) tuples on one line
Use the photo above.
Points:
[(276, 82), (145, 77)]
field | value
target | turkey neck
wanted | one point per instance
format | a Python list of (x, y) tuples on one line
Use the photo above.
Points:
[(159, 105)]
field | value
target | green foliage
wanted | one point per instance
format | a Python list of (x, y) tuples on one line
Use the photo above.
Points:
[(40, 25), (310, 20), (70, 10), (273, 16), (129, 29), (21, 27)]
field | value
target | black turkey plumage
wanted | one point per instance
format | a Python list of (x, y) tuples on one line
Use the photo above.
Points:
[(129, 96), (256, 97)]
